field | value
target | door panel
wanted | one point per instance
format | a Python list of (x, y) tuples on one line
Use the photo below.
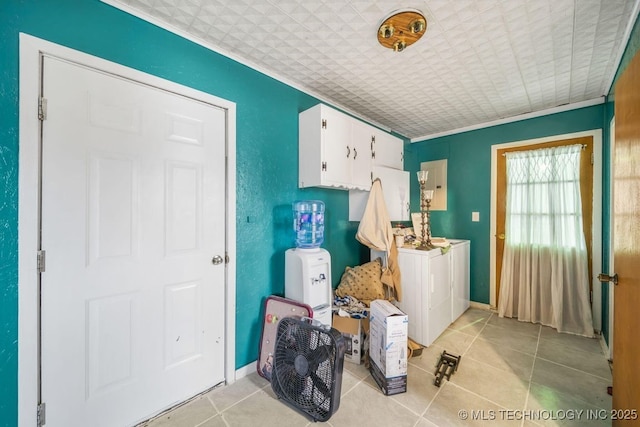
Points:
[(113, 211), (626, 242), (360, 159), (133, 198), (336, 147)]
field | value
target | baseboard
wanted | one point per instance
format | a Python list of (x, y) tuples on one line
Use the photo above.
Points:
[(245, 370), (481, 306), (604, 346)]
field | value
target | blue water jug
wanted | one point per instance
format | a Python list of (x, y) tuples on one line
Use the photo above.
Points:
[(308, 223)]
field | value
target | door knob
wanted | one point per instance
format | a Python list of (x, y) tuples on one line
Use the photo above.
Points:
[(501, 236), (217, 260), (606, 278)]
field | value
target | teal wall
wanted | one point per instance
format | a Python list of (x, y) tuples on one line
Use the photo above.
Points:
[(468, 157), (267, 161)]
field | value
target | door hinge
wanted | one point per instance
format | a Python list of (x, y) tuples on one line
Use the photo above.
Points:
[(592, 158), (324, 166), (41, 415), (373, 141), (324, 123), (42, 109), (41, 261)]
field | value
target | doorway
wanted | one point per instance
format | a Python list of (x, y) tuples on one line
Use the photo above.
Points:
[(122, 338), (593, 235)]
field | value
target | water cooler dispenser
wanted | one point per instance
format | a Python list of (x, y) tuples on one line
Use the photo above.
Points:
[(307, 266)]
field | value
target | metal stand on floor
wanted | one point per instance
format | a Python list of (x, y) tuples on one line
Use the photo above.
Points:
[(447, 365)]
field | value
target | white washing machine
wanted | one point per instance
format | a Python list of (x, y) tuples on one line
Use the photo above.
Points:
[(307, 279)]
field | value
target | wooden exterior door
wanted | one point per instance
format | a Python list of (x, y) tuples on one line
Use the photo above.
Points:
[(586, 191), (626, 244)]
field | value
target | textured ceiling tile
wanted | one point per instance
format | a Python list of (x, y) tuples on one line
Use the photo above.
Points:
[(479, 60)]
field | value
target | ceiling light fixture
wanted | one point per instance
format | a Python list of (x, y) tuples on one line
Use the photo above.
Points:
[(401, 29)]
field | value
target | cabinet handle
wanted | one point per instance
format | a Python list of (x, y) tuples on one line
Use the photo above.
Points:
[(348, 151), (355, 153)]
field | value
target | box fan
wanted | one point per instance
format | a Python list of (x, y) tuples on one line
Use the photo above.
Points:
[(307, 367)]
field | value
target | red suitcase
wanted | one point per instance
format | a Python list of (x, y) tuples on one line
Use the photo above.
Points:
[(276, 308)]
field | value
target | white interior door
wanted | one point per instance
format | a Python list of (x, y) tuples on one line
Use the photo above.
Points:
[(133, 212)]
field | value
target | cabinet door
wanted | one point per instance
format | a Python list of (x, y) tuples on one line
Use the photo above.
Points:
[(395, 187), (336, 148), (360, 155), (459, 279), (389, 150), (323, 139)]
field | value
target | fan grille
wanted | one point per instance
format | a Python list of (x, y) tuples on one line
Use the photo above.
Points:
[(304, 367)]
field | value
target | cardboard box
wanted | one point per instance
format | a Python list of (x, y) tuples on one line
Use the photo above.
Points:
[(354, 330), (388, 327)]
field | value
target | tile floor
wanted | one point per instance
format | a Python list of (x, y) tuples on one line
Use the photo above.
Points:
[(511, 373)]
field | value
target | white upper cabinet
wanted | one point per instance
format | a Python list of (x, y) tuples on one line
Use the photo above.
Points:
[(388, 150), (395, 189), (334, 151)]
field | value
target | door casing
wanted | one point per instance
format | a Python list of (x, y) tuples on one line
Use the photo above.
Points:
[(31, 51), (612, 143), (596, 225)]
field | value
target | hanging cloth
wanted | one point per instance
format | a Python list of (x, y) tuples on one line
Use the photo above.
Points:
[(545, 276), (375, 232)]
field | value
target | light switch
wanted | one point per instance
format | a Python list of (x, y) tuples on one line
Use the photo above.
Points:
[(475, 216)]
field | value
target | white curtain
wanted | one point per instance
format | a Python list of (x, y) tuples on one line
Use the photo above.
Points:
[(545, 275)]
